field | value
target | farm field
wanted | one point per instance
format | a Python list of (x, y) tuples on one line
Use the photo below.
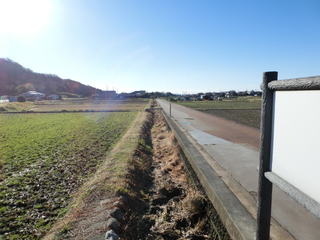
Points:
[(244, 110), (75, 104), (45, 158)]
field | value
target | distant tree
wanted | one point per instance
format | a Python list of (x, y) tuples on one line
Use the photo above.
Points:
[(233, 93), (15, 79), (21, 89), (21, 99), (252, 93), (25, 88), (84, 91)]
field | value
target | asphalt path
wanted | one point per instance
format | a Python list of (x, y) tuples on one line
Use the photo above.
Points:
[(233, 151)]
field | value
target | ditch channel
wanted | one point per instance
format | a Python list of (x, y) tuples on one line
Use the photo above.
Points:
[(166, 200), (160, 199)]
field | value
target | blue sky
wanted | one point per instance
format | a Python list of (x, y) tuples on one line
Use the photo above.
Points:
[(181, 46)]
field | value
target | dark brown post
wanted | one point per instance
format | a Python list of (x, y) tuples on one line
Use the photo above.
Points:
[(265, 186)]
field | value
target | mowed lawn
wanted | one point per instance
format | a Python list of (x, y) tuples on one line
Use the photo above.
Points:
[(244, 110), (44, 159)]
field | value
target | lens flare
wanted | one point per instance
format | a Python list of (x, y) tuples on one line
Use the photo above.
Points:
[(21, 17)]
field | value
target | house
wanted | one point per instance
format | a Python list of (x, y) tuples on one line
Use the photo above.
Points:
[(33, 96), (95, 96), (13, 99), (124, 95), (109, 94), (140, 93), (4, 99), (7, 98), (105, 95), (54, 97)]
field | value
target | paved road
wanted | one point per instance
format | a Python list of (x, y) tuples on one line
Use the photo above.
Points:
[(235, 148)]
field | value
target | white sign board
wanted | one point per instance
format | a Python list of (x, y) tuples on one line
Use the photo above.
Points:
[(296, 140)]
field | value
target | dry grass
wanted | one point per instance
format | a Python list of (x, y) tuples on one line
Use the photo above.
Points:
[(106, 183), (90, 105), (77, 104)]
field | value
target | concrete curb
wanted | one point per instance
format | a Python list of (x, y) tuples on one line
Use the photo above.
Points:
[(235, 217)]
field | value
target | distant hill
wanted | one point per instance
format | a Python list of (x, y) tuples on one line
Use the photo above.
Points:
[(15, 79)]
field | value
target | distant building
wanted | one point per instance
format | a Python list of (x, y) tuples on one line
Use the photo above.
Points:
[(109, 94), (7, 98), (140, 93), (105, 95), (13, 99), (124, 95), (4, 99), (54, 97), (95, 96), (33, 96)]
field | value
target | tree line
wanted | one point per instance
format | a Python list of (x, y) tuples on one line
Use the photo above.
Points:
[(15, 79)]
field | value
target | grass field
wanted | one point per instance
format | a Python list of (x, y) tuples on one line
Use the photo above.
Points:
[(45, 158), (244, 110)]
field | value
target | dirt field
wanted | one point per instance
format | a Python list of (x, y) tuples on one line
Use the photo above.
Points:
[(75, 105), (243, 110)]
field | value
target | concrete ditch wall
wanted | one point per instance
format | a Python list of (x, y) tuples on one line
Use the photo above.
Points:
[(237, 220)]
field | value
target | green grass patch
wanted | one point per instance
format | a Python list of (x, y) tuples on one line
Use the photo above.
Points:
[(44, 159)]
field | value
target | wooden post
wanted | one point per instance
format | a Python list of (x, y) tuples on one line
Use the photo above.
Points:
[(265, 186), (170, 109)]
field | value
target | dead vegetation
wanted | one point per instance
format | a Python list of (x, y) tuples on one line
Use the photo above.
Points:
[(165, 204), (152, 199)]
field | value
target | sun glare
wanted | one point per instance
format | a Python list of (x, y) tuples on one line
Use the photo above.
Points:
[(24, 17)]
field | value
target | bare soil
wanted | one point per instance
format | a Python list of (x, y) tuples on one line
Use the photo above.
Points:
[(248, 117)]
